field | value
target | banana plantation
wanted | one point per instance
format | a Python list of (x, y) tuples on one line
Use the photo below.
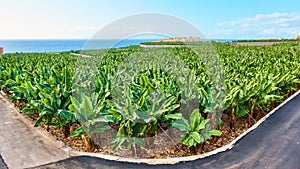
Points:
[(130, 96)]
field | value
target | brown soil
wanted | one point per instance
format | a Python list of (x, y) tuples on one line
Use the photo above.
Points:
[(159, 146)]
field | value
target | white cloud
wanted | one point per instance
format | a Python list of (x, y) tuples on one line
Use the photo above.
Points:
[(275, 19), (265, 25), (268, 31)]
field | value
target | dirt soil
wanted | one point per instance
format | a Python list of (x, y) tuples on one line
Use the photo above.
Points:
[(156, 147)]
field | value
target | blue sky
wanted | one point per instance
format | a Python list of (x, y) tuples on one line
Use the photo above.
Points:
[(80, 19)]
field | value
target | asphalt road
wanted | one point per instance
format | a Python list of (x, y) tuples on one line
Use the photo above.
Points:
[(274, 144), (2, 164)]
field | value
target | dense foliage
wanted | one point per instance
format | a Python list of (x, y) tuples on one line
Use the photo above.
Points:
[(267, 40), (64, 89), (170, 43)]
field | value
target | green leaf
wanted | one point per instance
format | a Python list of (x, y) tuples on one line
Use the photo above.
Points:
[(202, 125), (160, 112), (240, 111), (140, 142), (86, 109), (173, 107), (182, 125), (40, 120), (195, 136), (194, 119), (77, 132), (118, 142), (215, 133), (175, 116), (143, 115), (67, 115)]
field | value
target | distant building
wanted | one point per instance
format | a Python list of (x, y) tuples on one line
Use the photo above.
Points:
[(297, 37), (180, 39), (1, 50)]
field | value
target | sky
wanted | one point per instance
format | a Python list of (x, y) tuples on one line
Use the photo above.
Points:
[(216, 19)]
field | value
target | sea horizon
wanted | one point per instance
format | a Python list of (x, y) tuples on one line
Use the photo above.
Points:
[(61, 45)]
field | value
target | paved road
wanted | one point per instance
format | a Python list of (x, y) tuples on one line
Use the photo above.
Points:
[(2, 163), (22, 145), (274, 144)]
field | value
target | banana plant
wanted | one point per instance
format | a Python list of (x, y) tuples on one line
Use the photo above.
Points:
[(140, 117), (90, 112), (130, 142), (197, 129)]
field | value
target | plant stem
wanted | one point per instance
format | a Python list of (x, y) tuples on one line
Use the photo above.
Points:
[(232, 120)]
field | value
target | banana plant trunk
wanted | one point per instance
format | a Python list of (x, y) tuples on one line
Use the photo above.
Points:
[(87, 142), (232, 120), (251, 116)]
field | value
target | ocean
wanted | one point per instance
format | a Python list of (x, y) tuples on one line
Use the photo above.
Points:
[(26, 46)]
